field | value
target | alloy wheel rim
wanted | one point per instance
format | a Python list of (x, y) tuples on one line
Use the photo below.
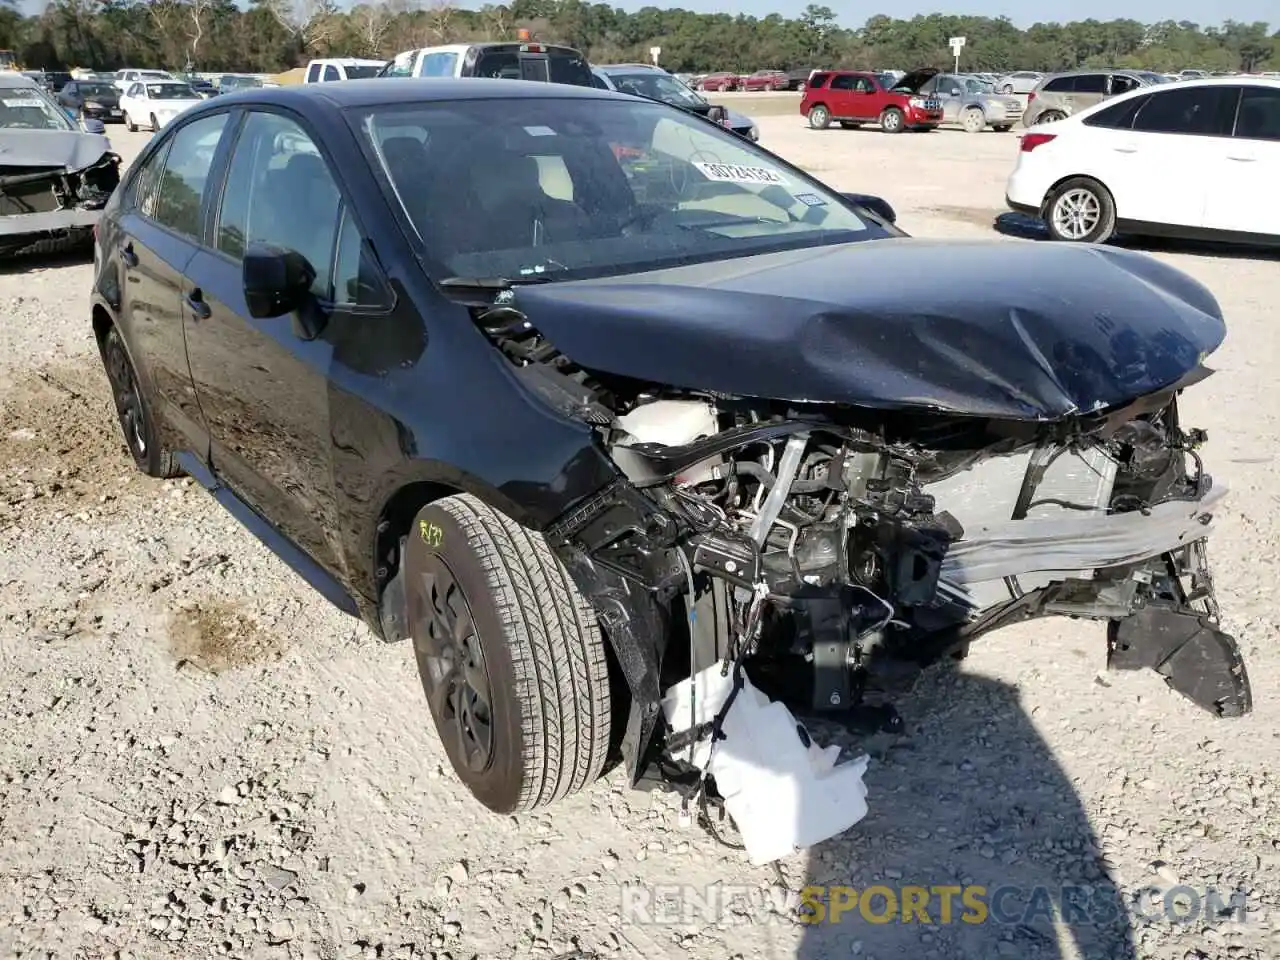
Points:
[(891, 121), (455, 673), (124, 389), (1077, 213)]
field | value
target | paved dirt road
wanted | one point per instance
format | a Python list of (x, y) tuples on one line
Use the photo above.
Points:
[(200, 758)]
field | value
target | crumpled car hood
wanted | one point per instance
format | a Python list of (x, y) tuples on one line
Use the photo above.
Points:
[(51, 148), (1009, 330)]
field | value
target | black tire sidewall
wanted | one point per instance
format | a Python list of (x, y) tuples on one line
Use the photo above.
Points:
[(498, 786), (1106, 222), (154, 463)]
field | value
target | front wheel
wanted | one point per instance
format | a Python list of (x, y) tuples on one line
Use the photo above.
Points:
[(1007, 88), (891, 121), (974, 120), (819, 118), (510, 656), (155, 126), (1081, 211), (129, 124)]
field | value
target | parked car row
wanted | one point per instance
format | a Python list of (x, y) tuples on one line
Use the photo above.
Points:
[(919, 100)]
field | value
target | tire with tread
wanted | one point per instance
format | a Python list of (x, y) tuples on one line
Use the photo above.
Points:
[(129, 124), (542, 647), (155, 127), (152, 459), (892, 120), (1051, 116), (819, 117), (974, 120)]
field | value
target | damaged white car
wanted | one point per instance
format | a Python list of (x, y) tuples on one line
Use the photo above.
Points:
[(55, 177)]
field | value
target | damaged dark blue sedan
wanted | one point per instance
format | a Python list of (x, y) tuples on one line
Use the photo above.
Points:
[(635, 430)]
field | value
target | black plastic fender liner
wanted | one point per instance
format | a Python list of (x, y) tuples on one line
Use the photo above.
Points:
[(633, 622), (1194, 656)]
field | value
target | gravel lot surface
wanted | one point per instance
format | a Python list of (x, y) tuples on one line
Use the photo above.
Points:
[(201, 758)]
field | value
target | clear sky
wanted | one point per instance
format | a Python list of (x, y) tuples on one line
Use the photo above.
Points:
[(1021, 13)]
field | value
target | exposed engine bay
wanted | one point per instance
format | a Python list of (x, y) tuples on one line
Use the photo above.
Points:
[(44, 200), (822, 554)]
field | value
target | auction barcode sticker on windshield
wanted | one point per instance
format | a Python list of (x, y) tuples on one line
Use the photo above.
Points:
[(733, 173), (21, 102)]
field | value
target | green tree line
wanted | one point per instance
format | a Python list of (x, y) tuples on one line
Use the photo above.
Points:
[(274, 35)]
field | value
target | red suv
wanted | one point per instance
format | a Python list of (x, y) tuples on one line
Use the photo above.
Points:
[(853, 98)]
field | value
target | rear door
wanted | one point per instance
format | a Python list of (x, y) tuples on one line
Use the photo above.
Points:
[(1164, 163), (1087, 89), (160, 225), (262, 386), (1242, 191), (839, 96)]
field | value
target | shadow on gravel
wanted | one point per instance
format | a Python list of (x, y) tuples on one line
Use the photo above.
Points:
[(969, 798), (1029, 228), (19, 263)]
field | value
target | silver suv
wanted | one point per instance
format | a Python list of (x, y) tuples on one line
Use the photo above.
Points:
[(1061, 94)]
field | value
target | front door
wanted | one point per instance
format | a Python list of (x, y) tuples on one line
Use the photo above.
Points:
[(947, 90), (1243, 187), (160, 230), (262, 386)]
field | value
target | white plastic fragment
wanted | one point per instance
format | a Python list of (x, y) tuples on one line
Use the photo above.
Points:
[(783, 791)]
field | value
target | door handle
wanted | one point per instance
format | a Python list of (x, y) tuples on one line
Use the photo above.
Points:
[(196, 304), (127, 255)]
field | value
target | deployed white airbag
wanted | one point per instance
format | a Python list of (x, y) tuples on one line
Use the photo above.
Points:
[(783, 791)]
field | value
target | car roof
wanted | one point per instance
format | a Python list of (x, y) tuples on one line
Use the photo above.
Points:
[(647, 67), (382, 91)]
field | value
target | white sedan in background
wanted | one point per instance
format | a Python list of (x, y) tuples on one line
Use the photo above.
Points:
[(1199, 159), (155, 103)]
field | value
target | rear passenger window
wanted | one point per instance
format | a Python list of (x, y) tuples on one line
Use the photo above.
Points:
[(186, 169), (1259, 116), (1059, 85), (1196, 111), (1118, 116), (844, 82), (142, 189), (1090, 83)]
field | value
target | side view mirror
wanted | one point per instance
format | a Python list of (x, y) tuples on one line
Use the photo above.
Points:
[(278, 281), (877, 205), (718, 114), (92, 125)]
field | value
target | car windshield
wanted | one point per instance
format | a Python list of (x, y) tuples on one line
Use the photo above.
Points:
[(364, 71), (571, 188), (171, 91), (29, 108), (657, 86), (97, 90)]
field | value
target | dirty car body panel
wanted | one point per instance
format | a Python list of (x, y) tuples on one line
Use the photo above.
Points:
[(692, 382), (54, 178)]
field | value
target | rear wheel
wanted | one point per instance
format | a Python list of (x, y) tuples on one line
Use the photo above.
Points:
[(819, 117), (510, 656), (1051, 116), (974, 120), (1081, 210), (133, 411), (129, 124), (154, 125), (892, 121)]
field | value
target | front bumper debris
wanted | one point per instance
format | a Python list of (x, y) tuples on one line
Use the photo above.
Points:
[(783, 791), (1195, 658)]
